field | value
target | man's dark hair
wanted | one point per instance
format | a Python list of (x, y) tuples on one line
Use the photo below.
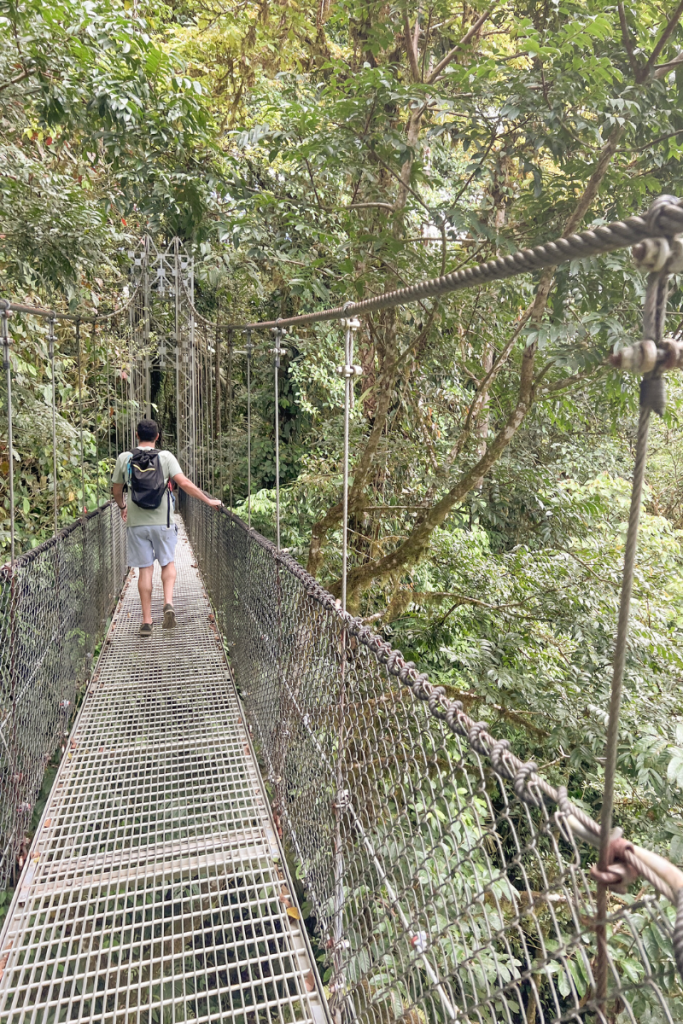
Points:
[(148, 430)]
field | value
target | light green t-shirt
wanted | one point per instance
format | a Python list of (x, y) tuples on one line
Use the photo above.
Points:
[(146, 516)]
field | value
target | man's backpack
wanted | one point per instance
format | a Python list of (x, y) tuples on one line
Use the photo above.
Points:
[(146, 482)]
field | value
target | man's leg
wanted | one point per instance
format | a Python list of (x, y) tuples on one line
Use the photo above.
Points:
[(168, 575), (165, 538), (145, 591)]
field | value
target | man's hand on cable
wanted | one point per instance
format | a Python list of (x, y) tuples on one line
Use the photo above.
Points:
[(186, 485)]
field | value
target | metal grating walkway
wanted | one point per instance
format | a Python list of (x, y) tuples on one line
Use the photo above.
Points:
[(155, 890)]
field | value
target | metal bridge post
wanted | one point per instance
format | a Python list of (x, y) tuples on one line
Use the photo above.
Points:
[(218, 425), (146, 316), (7, 367), (249, 347), (176, 295), (82, 509), (277, 351), (231, 498), (51, 354), (349, 372)]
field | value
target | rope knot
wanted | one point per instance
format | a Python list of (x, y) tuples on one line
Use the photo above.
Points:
[(521, 784), (619, 873)]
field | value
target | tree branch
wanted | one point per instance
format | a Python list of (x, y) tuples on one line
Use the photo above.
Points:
[(484, 385), (310, 174), (408, 188), (663, 69), (410, 47), (13, 81), (663, 40), (469, 35), (595, 181), (364, 206), (635, 66), (412, 549)]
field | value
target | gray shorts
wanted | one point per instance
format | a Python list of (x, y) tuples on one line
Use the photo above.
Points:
[(145, 543)]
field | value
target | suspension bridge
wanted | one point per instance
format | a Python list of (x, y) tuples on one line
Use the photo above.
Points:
[(272, 747)]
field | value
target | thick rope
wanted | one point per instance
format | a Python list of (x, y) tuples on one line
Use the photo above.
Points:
[(663, 220), (52, 314), (617, 235)]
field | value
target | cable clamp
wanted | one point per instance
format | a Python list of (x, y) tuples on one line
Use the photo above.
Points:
[(352, 323), (652, 254), (5, 314), (343, 801), (645, 356), (348, 370)]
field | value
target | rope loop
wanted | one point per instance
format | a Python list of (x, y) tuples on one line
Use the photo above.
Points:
[(422, 688), (393, 663), (498, 751), (454, 711), (436, 699), (474, 737), (653, 215), (619, 873), (407, 667), (563, 802), (520, 784)]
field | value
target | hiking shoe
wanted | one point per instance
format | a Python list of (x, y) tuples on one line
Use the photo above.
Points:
[(146, 629), (169, 617)]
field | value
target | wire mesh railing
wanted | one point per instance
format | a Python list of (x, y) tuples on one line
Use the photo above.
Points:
[(445, 887), (54, 604)]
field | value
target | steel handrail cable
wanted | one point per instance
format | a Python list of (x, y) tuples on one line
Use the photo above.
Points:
[(666, 221), (53, 314), (662, 221)]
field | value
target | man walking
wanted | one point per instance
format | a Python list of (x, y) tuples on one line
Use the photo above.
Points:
[(151, 532)]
